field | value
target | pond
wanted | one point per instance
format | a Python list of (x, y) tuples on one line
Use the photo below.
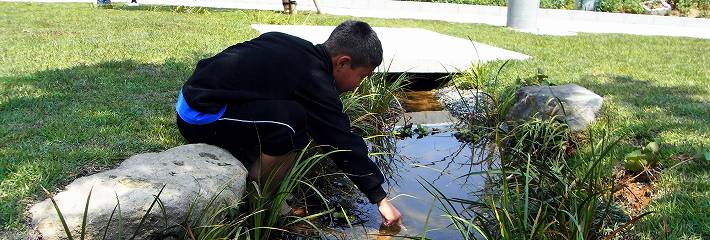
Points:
[(439, 159)]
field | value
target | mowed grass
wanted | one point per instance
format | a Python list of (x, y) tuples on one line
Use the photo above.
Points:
[(84, 87)]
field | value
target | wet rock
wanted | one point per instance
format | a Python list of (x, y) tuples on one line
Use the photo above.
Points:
[(190, 174), (464, 104), (579, 104)]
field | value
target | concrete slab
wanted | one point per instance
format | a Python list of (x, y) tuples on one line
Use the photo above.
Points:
[(413, 50)]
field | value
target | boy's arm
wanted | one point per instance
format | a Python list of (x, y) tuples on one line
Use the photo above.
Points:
[(328, 125)]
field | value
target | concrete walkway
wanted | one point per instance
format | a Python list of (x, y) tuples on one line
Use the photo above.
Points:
[(551, 21), (404, 51)]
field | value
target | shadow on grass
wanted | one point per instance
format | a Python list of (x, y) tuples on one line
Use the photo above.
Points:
[(661, 108), (59, 124), (681, 205), (175, 9)]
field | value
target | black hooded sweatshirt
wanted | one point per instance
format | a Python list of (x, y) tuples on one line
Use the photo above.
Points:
[(278, 66)]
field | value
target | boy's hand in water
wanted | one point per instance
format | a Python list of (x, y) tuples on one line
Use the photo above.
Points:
[(390, 214)]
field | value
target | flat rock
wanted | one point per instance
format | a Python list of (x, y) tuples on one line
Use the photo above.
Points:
[(465, 104), (413, 50), (580, 105), (426, 117), (190, 174)]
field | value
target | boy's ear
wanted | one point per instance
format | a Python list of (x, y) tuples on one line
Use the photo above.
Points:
[(342, 61)]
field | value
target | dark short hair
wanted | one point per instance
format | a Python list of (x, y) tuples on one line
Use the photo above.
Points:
[(357, 40)]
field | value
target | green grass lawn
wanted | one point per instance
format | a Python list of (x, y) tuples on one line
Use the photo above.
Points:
[(84, 87)]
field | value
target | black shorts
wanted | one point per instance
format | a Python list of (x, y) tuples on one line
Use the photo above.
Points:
[(272, 127)]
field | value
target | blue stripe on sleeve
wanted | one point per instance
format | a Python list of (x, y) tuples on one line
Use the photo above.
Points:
[(193, 116)]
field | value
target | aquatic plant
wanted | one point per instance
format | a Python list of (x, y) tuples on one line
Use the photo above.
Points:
[(549, 185), (541, 197), (374, 106), (268, 217), (492, 101)]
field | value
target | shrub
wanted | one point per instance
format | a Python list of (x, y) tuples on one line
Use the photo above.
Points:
[(683, 6), (554, 4), (622, 6)]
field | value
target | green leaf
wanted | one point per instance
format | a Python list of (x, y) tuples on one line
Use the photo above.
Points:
[(635, 155), (707, 155), (652, 148), (635, 161)]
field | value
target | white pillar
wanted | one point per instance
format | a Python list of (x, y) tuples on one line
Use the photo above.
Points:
[(522, 14)]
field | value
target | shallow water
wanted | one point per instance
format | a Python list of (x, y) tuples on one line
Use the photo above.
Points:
[(440, 160), (417, 101)]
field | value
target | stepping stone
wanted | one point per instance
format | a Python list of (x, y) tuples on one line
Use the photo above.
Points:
[(411, 49), (186, 176)]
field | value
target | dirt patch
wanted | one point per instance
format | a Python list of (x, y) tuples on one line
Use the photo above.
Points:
[(635, 190)]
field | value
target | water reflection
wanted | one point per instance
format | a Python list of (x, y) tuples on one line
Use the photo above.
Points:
[(440, 160)]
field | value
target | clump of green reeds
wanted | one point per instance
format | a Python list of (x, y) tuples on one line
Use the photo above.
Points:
[(121, 232), (544, 197), (374, 106), (548, 185), (374, 109), (268, 217)]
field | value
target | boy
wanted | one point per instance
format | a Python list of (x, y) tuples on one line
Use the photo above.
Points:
[(277, 90)]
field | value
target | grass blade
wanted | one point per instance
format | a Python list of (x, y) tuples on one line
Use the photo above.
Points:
[(86, 213), (119, 229), (630, 222), (426, 221), (59, 213), (109, 221), (140, 225)]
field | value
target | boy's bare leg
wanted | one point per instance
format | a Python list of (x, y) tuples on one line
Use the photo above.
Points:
[(277, 167), (272, 169)]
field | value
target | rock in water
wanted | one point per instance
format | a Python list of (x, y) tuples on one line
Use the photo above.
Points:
[(580, 105), (465, 104), (191, 174)]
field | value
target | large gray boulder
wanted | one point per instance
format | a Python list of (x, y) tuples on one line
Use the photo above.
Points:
[(191, 174), (581, 106)]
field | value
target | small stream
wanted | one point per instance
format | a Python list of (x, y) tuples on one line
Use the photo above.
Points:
[(439, 159)]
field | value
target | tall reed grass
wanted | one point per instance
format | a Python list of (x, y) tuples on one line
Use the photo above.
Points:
[(549, 184), (374, 108)]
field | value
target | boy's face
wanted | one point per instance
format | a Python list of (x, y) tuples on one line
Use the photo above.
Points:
[(346, 77)]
